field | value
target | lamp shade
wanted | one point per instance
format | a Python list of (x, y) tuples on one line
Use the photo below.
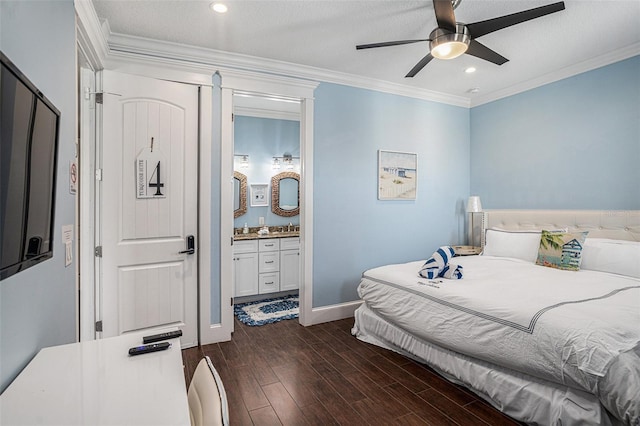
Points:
[(474, 205)]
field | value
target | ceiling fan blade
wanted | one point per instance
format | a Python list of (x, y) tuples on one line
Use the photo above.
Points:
[(444, 14), (478, 29), (481, 51), (389, 43), (423, 62)]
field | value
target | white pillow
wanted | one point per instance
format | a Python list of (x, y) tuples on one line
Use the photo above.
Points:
[(519, 244), (614, 256)]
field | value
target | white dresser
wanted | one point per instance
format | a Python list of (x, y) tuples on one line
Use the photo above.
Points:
[(266, 265)]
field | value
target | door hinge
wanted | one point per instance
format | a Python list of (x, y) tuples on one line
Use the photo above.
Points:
[(233, 116), (232, 301), (99, 95), (231, 240), (99, 174), (98, 251), (99, 326)]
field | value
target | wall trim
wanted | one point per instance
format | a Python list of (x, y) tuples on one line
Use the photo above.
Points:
[(570, 71), (90, 34), (126, 44), (334, 312), (160, 50), (266, 113)]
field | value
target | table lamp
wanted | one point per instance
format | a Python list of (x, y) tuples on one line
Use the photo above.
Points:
[(473, 206)]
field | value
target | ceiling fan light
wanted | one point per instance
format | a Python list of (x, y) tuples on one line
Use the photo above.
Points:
[(449, 50), (448, 45)]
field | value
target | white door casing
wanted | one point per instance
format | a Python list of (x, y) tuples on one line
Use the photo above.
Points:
[(278, 86), (86, 200), (146, 282)]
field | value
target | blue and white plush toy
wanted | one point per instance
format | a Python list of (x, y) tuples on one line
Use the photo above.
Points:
[(438, 265)]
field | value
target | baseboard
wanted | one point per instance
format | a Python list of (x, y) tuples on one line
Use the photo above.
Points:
[(334, 312)]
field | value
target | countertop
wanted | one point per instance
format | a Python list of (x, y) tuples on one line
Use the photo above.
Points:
[(255, 236)]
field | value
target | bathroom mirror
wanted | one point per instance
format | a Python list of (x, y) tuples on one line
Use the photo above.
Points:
[(239, 194), (285, 194)]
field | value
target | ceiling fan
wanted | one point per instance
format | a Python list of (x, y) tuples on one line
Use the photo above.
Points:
[(452, 39)]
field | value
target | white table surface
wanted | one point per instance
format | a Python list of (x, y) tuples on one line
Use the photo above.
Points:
[(98, 383)]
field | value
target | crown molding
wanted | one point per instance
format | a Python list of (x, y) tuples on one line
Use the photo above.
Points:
[(570, 71), (114, 48), (125, 44)]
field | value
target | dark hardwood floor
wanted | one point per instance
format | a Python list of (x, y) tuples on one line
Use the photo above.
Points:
[(287, 374)]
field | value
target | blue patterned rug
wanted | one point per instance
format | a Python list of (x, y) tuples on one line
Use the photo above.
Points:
[(267, 311)]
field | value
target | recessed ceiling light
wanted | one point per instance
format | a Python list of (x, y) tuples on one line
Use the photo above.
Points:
[(470, 70), (218, 7)]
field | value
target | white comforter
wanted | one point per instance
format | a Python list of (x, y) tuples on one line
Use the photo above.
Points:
[(580, 329)]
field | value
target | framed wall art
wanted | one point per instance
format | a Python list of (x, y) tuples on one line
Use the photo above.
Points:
[(397, 175)]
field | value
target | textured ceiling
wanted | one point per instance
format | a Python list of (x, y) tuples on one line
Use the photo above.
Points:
[(323, 34)]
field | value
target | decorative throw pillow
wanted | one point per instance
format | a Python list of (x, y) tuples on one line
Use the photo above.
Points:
[(561, 250)]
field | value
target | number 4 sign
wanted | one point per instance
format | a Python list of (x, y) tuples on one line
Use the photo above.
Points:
[(150, 174)]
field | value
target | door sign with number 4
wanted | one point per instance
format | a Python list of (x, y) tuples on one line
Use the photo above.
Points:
[(150, 174)]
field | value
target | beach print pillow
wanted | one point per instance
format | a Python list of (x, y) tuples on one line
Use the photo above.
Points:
[(561, 250)]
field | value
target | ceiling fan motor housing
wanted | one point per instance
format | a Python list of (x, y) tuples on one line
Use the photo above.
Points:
[(448, 45)]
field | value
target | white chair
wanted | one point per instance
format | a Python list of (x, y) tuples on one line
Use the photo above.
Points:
[(207, 397)]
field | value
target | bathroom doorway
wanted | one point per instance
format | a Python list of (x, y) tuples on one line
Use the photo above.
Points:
[(271, 89), (267, 182)]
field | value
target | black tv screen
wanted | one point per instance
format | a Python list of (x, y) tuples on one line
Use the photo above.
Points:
[(29, 131)]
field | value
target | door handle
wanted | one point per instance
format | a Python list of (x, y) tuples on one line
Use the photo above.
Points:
[(191, 245)]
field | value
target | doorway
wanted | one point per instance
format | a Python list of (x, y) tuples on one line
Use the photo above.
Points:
[(279, 87), (266, 140)]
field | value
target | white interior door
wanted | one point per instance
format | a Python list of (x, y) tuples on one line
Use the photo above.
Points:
[(149, 205)]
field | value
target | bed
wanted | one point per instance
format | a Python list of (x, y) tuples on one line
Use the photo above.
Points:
[(543, 345)]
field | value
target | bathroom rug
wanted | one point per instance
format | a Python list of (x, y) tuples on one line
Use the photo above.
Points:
[(263, 312)]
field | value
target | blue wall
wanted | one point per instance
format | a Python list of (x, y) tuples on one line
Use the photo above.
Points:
[(38, 305), (262, 139), (572, 144), (353, 230)]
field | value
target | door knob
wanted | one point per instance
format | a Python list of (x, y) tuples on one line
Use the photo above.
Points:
[(191, 245)]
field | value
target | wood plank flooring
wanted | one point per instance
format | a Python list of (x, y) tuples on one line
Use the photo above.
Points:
[(287, 374)]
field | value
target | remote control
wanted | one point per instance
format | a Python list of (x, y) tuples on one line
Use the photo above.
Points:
[(139, 350), (161, 336)]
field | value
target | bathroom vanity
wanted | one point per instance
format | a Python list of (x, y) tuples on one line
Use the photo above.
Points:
[(266, 264)]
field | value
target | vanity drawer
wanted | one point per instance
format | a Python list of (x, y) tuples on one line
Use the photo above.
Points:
[(269, 262), (269, 283), (292, 243), (249, 246), (271, 244)]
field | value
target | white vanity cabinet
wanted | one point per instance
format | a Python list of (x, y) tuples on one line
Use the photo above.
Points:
[(245, 267), (266, 266), (289, 264)]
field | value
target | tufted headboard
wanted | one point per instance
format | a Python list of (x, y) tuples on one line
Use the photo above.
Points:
[(614, 224)]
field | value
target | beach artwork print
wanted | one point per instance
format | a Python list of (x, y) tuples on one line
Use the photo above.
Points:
[(397, 175)]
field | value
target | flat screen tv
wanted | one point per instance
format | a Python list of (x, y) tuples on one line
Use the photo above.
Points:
[(29, 131)]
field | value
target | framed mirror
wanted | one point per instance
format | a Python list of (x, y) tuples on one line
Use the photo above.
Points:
[(285, 194), (239, 194)]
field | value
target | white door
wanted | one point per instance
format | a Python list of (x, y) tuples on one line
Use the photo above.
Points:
[(149, 205)]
